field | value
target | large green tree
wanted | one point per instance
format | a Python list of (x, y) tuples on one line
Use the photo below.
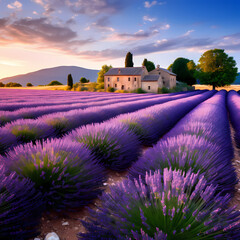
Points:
[(216, 68), (129, 60), (105, 68), (148, 64), (185, 70)]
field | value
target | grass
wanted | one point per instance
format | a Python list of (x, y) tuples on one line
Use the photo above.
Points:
[(227, 88)]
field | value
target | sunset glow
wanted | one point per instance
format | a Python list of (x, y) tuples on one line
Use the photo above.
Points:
[(38, 34)]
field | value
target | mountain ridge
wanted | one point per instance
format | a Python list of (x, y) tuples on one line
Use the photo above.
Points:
[(59, 73)]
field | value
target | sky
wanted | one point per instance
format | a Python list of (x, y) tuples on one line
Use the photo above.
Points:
[(37, 34)]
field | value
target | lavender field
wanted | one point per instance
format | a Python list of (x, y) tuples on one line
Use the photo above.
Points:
[(175, 151)]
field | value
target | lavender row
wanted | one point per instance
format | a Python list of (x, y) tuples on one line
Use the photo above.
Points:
[(55, 125), (200, 141), (186, 203), (234, 114), (34, 112), (50, 100), (117, 143)]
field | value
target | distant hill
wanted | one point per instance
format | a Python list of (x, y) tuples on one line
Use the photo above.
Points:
[(45, 76), (237, 81)]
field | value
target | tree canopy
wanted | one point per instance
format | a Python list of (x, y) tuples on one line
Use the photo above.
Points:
[(148, 64), (129, 60), (105, 68), (185, 70), (53, 83), (84, 80), (216, 68)]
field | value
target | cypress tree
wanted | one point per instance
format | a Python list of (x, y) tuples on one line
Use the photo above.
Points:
[(70, 81), (129, 60)]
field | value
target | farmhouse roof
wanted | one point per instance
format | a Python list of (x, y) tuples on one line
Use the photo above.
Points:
[(159, 69), (150, 78), (128, 71)]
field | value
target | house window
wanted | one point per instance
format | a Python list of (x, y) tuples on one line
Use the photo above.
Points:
[(108, 85), (115, 85), (149, 87), (135, 79), (118, 79), (129, 79), (122, 87), (108, 79)]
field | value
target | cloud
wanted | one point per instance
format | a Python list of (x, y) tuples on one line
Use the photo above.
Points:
[(161, 45), (148, 4), (40, 33), (130, 37), (160, 26), (102, 24), (90, 7), (146, 18), (15, 5)]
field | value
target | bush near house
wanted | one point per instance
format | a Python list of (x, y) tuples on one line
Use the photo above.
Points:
[(110, 89)]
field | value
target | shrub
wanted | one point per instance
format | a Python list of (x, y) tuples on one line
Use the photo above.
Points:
[(100, 86), (84, 80), (173, 205), (163, 90), (20, 207), (187, 152), (13, 84), (27, 130), (111, 144), (64, 173), (7, 139), (110, 89), (2, 85), (29, 85), (53, 83)]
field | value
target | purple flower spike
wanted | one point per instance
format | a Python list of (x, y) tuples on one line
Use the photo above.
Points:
[(111, 144), (63, 172), (193, 219), (20, 207)]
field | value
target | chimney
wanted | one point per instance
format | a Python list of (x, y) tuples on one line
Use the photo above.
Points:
[(119, 71), (158, 66)]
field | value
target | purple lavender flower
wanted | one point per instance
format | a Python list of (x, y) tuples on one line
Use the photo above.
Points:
[(141, 222), (111, 144), (20, 207), (63, 172), (189, 152)]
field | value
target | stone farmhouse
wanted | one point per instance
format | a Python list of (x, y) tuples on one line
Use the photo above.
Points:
[(131, 78)]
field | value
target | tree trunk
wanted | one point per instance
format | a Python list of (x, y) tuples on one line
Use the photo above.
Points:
[(213, 87)]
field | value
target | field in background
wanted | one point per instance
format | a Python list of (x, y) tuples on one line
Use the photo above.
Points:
[(227, 88)]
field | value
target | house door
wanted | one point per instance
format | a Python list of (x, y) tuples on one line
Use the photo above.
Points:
[(122, 87)]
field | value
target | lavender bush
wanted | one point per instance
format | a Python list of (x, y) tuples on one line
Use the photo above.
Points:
[(20, 207), (28, 130), (174, 205), (187, 152), (64, 173), (234, 114), (111, 144)]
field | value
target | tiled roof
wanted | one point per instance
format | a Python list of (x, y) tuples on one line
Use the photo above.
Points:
[(162, 69), (129, 71), (150, 78)]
